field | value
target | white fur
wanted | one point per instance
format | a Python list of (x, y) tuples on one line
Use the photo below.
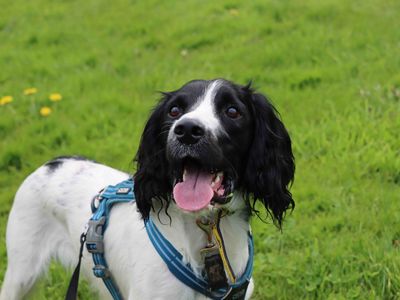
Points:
[(51, 209), (204, 110)]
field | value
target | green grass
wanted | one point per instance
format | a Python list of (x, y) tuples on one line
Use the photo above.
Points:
[(330, 67)]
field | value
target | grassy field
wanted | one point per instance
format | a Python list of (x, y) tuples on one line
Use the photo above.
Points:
[(332, 68)]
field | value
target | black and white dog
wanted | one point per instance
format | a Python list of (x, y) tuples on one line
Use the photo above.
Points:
[(203, 143)]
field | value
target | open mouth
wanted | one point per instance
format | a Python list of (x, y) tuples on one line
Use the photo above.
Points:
[(199, 187)]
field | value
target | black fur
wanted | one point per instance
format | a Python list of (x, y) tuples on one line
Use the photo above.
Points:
[(270, 165), (257, 149), (152, 178), (57, 162)]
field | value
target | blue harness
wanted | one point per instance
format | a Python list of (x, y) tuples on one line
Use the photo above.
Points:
[(123, 192)]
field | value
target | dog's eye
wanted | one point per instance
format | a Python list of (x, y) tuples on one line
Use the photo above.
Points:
[(233, 112), (175, 111)]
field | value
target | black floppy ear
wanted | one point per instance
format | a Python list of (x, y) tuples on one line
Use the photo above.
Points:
[(270, 166), (151, 177)]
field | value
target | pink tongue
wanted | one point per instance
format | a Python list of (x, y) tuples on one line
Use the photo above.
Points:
[(195, 193)]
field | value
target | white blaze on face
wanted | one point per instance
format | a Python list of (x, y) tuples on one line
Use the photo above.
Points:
[(204, 110)]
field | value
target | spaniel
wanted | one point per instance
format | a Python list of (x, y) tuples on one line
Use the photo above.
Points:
[(211, 145)]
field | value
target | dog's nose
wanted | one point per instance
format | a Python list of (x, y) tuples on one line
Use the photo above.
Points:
[(189, 131)]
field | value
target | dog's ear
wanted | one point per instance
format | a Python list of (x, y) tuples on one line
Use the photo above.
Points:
[(270, 166), (151, 177)]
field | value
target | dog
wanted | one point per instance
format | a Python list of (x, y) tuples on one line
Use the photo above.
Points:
[(210, 145)]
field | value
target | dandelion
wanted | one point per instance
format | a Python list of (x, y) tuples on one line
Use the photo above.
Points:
[(55, 97), (5, 100), (45, 111), (30, 91)]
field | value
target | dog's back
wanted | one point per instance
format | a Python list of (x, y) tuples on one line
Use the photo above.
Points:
[(39, 227)]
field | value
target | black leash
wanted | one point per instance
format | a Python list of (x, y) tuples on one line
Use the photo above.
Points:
[(72, 291)]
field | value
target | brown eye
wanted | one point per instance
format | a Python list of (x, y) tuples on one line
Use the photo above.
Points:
[(232, 112), (174, 111)]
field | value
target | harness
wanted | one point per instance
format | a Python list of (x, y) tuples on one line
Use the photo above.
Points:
[(214, 284)]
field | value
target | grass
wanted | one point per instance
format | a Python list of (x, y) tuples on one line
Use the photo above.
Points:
[(330, 67)]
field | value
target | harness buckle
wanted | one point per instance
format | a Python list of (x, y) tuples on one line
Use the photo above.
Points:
[(94, 236), (95, 203), (237, 292), (101, 271), (206, 224)]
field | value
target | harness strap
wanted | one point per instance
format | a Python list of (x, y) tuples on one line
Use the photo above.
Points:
[(123, 192), (184, 272)]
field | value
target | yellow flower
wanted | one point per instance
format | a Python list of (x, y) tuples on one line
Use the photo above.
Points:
[(30, 91), (5, 100), (45, 111), (55, 97)]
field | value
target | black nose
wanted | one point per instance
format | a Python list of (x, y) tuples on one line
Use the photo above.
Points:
[(189, 131)]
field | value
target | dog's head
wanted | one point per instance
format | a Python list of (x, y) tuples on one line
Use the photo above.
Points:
[(209, 139)]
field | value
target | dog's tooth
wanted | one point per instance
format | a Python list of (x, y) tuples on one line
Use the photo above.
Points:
[(212, 184), (217, 179), (184, 175), (220, 174)]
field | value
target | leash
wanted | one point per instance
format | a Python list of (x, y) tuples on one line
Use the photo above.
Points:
[(215, 285), (72, 291)]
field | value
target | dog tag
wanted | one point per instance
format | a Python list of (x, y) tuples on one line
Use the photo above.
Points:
[(215, 270)]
